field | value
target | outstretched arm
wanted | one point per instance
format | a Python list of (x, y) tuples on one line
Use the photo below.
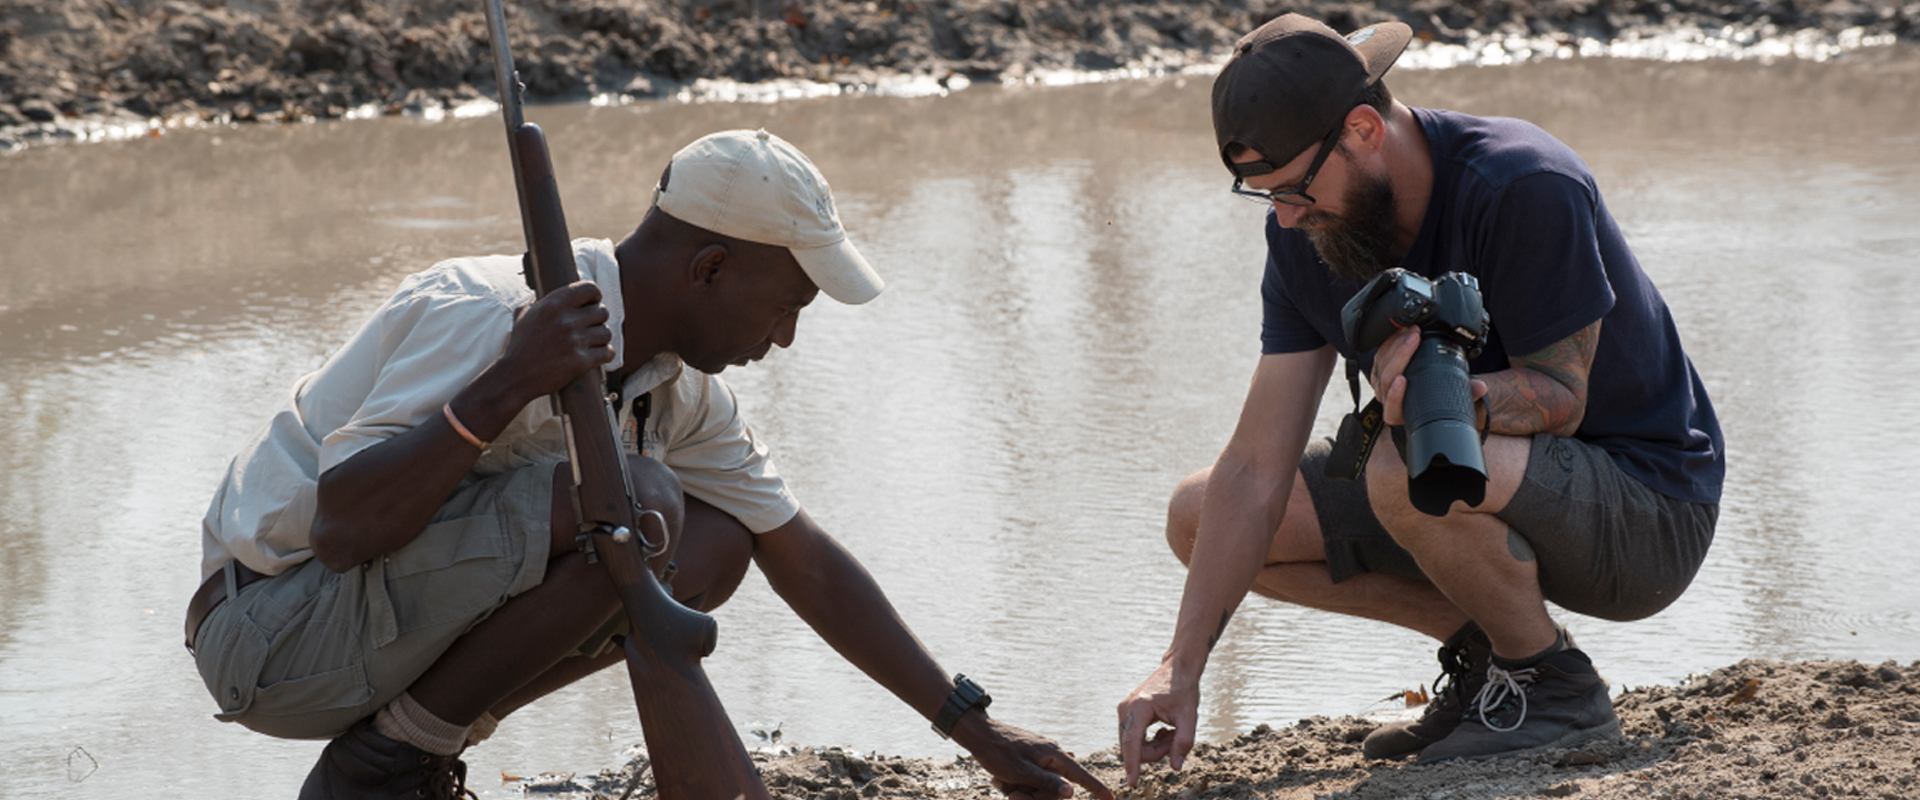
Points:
[(1246, 500), (828, 588)]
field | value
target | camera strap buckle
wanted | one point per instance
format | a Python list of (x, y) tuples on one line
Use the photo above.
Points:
[(1359, 431)]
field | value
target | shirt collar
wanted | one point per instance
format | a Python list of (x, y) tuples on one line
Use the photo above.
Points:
[(603, 268), (651, 375)]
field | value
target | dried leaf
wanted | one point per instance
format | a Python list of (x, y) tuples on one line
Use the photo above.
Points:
[(1746, 693)]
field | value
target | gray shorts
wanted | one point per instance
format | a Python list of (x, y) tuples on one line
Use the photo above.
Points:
[(1607, 545), (306, 653)]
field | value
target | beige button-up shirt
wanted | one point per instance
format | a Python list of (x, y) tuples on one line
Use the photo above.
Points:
[(440, 329)]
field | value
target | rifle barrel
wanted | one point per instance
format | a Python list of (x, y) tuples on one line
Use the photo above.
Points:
[(504, 74)]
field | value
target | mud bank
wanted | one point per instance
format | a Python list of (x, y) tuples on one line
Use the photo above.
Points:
[(129, 61), (1757, 729)]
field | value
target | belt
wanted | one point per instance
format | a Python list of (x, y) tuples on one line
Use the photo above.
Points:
[(213, 592)]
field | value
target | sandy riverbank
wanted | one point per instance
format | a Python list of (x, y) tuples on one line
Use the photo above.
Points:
[(1757, 729), (128, 61)]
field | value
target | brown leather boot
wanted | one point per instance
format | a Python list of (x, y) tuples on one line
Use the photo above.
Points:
[(364, 765)]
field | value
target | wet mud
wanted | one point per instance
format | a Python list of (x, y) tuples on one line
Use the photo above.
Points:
[(1757, 729), (125, 61)]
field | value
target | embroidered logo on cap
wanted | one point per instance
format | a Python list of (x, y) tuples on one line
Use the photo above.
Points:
[(661, 187), (1359, 36)]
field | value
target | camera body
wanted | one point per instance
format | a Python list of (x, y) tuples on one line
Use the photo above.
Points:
[(1449, 307), (1443, 454)]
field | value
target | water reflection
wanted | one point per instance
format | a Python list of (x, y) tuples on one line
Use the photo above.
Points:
[(1069, 329)]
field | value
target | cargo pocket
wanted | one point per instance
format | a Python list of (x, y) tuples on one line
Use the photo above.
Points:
[(455, 570), (231, 654), (311, 707), (499, 458)]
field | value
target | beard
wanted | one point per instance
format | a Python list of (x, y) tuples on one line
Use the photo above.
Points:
[(1357, 244)]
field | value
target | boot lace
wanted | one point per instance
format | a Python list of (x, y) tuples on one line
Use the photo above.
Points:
[(1451, 683), (1502, 688), (448, 781)]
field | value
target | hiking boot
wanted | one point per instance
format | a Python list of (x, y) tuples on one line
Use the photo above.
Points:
[(1559, 702), (364, 765), (1464, 658)]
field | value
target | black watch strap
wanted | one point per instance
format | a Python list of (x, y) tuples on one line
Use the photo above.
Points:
[(966, 696)]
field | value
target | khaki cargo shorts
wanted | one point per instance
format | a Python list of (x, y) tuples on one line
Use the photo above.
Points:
[(307, 653)]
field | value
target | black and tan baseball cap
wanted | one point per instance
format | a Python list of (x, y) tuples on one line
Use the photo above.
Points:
[(1291, 81)]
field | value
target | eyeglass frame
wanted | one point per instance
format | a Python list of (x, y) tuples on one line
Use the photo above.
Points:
[(1291, 197)]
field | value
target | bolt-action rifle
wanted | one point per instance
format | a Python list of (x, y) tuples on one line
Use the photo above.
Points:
[(694, 751)]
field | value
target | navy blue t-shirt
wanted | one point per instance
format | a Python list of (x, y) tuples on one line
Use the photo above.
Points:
[(1518, 210)]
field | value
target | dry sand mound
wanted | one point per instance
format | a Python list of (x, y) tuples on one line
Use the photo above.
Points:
[(1757, 729)]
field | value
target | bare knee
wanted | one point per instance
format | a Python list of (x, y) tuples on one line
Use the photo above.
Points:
[(656, 488), (1387, 489), (1183, 514), (712, 558)]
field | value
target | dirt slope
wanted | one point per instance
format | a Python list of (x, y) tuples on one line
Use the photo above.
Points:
[(291, 59), (1757, 729)]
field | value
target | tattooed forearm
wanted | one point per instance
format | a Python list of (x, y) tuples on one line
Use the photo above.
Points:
[(1544, 391), (1215, 638), (1522, 402)]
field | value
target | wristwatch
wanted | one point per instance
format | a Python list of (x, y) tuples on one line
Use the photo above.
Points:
[(966, 696)]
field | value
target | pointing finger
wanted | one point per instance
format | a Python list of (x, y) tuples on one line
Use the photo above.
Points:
[(1078, 774), (1130, 738)]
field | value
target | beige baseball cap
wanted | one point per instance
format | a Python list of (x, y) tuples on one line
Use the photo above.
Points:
[(756, 186)]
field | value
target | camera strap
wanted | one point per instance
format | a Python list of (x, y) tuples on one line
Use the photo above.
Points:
[(1359, 430)]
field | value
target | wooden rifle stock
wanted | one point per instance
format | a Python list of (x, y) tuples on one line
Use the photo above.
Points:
[(694, 751)]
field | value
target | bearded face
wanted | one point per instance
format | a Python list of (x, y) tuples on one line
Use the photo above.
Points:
[(1357, 243)]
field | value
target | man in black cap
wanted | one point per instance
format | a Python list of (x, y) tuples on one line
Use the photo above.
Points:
[(1603, 455)]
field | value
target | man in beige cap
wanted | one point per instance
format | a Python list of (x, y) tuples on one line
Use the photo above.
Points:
[(390, 562), (1603, 457)]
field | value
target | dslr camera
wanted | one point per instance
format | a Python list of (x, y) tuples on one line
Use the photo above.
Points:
[(1442, 450)]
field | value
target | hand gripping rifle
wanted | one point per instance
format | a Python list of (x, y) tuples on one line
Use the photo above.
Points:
[(695, 753)]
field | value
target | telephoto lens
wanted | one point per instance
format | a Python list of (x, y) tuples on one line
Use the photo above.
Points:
[(1444, 460)]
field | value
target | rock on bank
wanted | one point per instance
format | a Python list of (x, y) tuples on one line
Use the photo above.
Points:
[(293, 59)]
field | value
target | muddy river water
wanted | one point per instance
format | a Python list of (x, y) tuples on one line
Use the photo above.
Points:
[(1071, 321)]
